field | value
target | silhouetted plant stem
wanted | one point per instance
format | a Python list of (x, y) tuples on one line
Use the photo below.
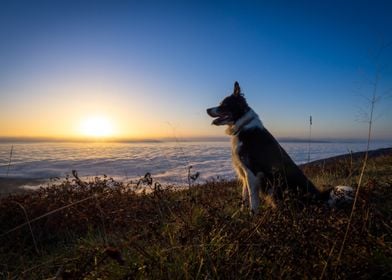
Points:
[(9, 162), (310, 137), (370, 123)]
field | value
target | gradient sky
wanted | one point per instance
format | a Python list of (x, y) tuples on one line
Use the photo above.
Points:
[(151, 68)]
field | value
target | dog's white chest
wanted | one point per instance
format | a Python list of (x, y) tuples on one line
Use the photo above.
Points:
[(236, 159)]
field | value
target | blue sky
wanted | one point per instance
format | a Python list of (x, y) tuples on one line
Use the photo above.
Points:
[(153, 67)]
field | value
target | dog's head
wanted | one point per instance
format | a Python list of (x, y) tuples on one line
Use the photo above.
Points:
[(230, 109)]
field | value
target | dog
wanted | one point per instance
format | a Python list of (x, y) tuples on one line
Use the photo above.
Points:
[(258, 159)]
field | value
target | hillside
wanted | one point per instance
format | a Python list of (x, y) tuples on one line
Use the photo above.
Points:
[(108, 230)]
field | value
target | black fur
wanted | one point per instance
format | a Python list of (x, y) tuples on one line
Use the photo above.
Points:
[(260, 152), (232, 108)]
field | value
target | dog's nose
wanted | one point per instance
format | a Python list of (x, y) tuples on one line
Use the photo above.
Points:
[(212, 112)]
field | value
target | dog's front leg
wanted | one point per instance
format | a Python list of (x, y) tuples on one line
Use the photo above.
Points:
[(253, 190)]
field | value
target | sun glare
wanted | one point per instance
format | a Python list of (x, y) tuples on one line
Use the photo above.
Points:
[(96, 126)]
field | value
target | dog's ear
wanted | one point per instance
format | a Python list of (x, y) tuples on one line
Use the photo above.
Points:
[(237, 89)]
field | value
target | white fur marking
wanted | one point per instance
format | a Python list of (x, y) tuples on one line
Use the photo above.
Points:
[(340, 195), (250, 182), (253, 124), (235, 145), (253, 189), (247, 121)]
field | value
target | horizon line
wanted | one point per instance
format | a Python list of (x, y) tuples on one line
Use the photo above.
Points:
[(19, 139)]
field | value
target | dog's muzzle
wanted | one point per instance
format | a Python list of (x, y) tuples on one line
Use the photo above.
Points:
[(221, 119)]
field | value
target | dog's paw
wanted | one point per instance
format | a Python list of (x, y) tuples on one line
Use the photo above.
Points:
[(341, 196)]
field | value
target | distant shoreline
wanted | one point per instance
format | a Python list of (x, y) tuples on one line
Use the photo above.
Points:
[(353, 156)]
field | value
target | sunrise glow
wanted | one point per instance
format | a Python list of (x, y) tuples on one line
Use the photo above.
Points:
[(126, 70), (96, 126)]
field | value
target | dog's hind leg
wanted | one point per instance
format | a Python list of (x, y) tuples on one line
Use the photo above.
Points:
[(245, 194)]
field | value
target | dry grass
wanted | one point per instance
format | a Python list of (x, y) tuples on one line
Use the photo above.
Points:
[(198, 233)]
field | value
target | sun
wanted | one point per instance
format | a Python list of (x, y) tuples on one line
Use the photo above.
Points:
[(96, 126)]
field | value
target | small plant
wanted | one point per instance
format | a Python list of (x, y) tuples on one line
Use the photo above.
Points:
[(10, 160), (192, 177)]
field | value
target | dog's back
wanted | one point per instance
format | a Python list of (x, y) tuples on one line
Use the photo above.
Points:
[(261, 152)]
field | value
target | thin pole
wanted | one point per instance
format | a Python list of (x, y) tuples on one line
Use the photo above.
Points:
[(9, 163), (310, 136)]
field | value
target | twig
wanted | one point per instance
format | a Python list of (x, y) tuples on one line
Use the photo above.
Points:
[(374, 98), (326, 263), (9, 163), (46, 214), (28, 222), (373, 102)]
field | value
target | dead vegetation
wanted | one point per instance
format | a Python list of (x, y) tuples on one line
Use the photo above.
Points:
[(108, 230)]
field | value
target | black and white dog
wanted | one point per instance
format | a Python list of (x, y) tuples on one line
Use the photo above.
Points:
[(260, 162)]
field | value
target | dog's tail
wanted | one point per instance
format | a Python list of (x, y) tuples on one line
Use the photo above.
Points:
[(339, 196)]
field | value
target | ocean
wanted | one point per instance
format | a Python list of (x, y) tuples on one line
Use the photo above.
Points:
[(168, 162)]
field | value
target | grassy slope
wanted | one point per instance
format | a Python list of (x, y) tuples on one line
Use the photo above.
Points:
[(198, 233)]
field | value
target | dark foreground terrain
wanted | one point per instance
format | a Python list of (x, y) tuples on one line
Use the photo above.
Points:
[(108, 230)]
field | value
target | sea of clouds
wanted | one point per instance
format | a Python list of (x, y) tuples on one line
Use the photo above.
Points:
[(168, 162)]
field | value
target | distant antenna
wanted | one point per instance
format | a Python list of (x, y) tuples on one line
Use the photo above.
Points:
[(9, 163), (310, 136)]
